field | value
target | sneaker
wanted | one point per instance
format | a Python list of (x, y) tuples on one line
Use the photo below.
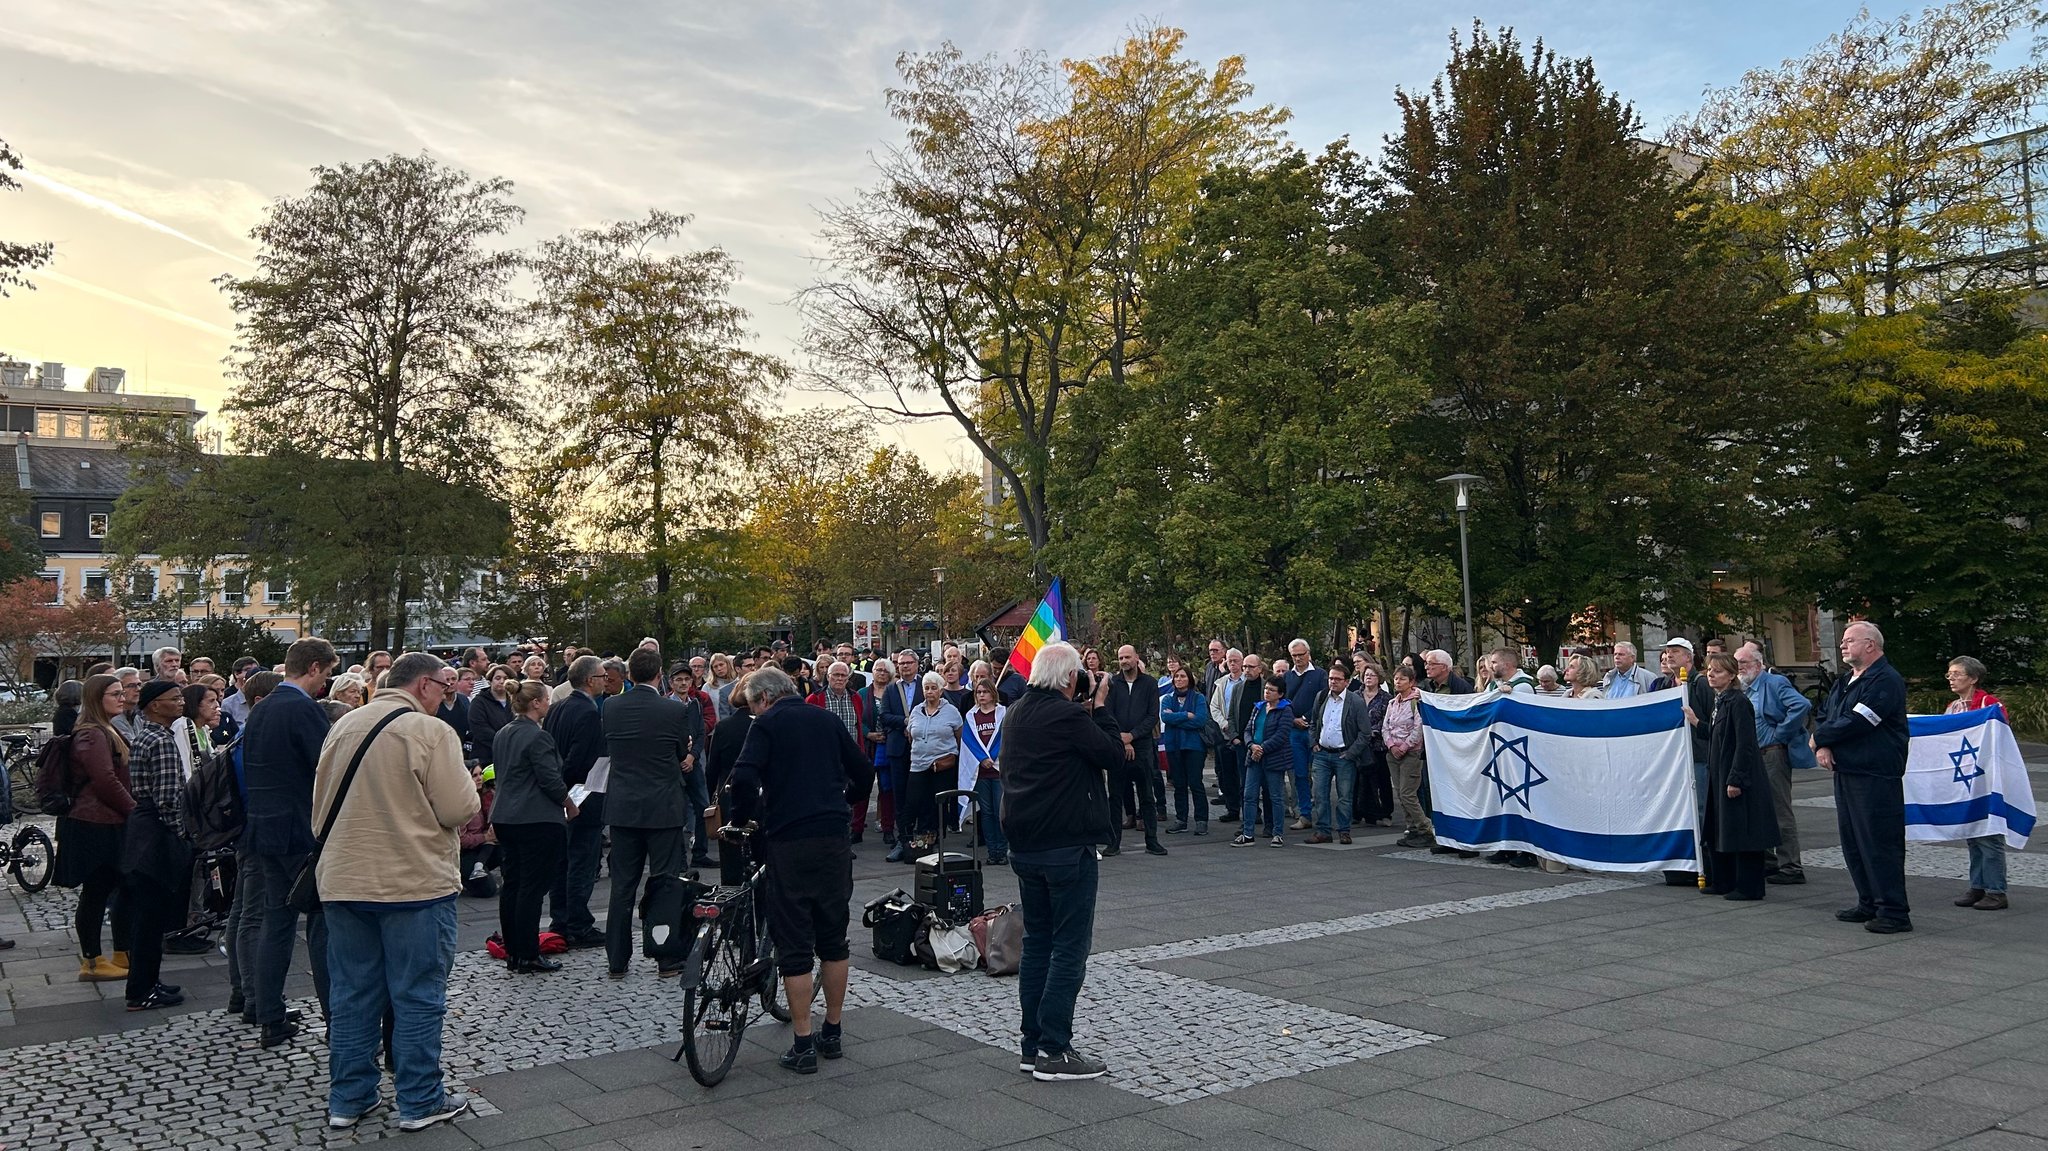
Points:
[(1299, 823), (1857, 914), (1415, 839), (1343, 837), (1242, 841), (1176, 829), (1028, 1062), (1786, 875), (1993, 901), (1154, 847), (1278, 842), (451, 1106), (1201, 827), (344, 1122), (1883, 926), (1067, 1065), (159, 997), (828, 1046), (803, 1062)]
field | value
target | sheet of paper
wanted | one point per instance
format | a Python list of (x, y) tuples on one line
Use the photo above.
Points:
[(578, 794), (600, 775)]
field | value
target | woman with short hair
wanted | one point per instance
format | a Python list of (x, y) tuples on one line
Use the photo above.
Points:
[(934, 730), (1987, 852), (1583, 676), (1740, 821), (530, 821)]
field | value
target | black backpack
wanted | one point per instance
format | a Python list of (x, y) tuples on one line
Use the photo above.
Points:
[(53, 776), (213, 801)]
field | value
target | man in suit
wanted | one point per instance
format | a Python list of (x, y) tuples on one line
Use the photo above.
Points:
[(1305, 681), (579, 736), (280, 754), (653, 743), (1134, 702), (897, 701), (1343, 739), (1861, 737), (874, 744)]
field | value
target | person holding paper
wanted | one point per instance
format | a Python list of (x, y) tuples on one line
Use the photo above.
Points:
[(1861, 738)]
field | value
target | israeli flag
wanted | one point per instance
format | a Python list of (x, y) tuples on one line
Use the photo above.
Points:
[(1965, 778), (1603, 784)]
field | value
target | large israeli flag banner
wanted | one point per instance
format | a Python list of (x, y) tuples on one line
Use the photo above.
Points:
[(1603, 784), (1965, 778)]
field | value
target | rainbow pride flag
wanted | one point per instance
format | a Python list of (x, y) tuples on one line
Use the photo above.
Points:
[(1048, 625)]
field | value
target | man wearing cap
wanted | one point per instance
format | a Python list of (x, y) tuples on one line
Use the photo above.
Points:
[(1699, 701)]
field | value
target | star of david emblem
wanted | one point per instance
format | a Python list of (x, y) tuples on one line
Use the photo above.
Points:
[(1500, 766), (1966, 752)]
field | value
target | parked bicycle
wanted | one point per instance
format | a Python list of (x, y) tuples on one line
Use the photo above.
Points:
[(730, 965), (28, 853), (19, 749)]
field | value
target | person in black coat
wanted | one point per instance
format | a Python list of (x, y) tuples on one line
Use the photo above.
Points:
[(652, 741), (578, 733), (1741, 821), (1374, 790), (1860, 735), (1699, 696), (1133, 700), (529, 818), (489, 711)]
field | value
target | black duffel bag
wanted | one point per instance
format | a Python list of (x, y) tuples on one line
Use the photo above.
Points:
[(897, 921)]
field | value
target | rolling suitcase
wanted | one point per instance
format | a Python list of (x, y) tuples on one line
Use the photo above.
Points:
[(949, 882)]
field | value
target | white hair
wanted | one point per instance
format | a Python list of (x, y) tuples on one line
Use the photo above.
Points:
[(1876, 636), (1438, 655), (1296, 640), (933, 679), (838, 665), (1055, 665), (768, 684), (982, 666), (1233, 652), (1625, 644), (125, 674)]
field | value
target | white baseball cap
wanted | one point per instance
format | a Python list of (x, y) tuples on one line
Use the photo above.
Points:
[(1679, 641)]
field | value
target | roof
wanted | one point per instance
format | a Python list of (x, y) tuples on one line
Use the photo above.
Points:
[(1015, 614), (55, 471)]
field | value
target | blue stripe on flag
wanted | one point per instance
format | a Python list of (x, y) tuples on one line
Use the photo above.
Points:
[(1919, 725), (1652, 847), (1969, 811), (1581, 723)]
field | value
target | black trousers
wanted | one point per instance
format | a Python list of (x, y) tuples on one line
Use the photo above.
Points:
[(153, 909), (1131, 776), (100, 890), (1229, 780), (1870, 813), (530, 855), (660, 851), (1372, 796), (1741, 872)]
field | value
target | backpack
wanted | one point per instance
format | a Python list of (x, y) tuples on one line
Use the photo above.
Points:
[(213, 802), (53, 776)]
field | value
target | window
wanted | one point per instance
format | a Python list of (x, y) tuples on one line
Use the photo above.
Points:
[(53, 585), (96, 585), (96, 525), (189, 590), (101, 428), (53, 525), (234, 587), (142, 586), (74, 425), (46, 425), (276, 591)]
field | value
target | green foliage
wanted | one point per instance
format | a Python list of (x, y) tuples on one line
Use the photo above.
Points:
[(21, 548), (16, 257), (230, 636)]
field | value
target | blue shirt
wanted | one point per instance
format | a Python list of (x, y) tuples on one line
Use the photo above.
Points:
[(1622, 687)]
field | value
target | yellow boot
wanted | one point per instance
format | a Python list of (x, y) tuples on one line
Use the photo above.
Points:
[(97, 970), (119, 963)]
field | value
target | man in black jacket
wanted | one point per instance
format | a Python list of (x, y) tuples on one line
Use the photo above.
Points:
[(1134, 702), (796, 777), (1699, 700), (1860, 735), (579, 735), (1057, 761), (653, 749)]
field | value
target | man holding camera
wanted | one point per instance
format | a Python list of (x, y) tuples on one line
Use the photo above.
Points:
[(1056, 763)]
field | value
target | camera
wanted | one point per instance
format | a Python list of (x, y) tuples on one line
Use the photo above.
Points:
[(1084, 685)]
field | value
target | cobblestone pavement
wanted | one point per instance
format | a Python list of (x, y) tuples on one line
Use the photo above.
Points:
[(1318, 998)]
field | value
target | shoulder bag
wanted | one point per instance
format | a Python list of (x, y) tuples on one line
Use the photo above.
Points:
[(304, 896)]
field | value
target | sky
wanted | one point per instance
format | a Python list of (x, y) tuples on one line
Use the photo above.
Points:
[(156, 132)]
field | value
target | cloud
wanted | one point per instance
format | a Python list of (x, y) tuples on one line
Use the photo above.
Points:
[(39, 177), (53, 276)]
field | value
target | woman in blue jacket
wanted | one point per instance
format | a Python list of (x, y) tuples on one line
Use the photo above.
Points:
[(1269, 735), (1183, 714)]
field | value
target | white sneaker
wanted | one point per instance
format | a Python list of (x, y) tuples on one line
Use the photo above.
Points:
[(344, 1122), (451, 1106), (1067, 1066)]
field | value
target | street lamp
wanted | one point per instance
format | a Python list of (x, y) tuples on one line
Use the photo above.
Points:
[(1464, 484), (939, 578)]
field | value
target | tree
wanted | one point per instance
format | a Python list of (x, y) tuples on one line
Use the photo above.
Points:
[(25, 614), (658, 396), (1868, 174), (21, 549), (1593, 349), (379, 327), (81, 629), (1001, 261), (17, 258), (794, 534), (232, 635)]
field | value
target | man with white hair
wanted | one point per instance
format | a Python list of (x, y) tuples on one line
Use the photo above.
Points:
[(167, 661), (1861, 737), (1058, 756), (1781, 734), (1627, 677), (1305, 681)]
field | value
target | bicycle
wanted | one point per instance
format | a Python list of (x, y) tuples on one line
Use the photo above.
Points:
[(731, 964), (19, 749)]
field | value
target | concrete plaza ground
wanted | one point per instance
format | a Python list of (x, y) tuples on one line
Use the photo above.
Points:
[(1319, 997)]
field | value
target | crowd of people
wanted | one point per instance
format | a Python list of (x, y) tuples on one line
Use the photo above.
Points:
[(372, 797)]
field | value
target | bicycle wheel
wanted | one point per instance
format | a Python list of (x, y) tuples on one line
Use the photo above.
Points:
[(33, 858), (715, 1010), (21, 785), (772, 997)]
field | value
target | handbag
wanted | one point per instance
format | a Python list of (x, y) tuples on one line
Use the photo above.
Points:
[(953, 948), (947, 762), (152, 849), (999, 934), (304, 896)]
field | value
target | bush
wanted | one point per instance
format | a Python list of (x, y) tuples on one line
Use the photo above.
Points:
[(225, 637), (27, 711), (2026, 708)]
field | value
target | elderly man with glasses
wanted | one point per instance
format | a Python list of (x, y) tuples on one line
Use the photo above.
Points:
[(1781, 732)]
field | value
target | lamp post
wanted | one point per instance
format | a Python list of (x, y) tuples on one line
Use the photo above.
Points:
[(939, 578), (1463, 484)]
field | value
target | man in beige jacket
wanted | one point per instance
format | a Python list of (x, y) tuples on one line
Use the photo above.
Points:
[(389, 873)]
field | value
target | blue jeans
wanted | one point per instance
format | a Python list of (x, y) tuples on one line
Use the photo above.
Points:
[(276, 935), (697, 790), (988, 816), (391, 956), (1304, 751), (1056, 892), (569, 901), (1987, 862), (1335, 774), (1272, 781), (1185, 766)]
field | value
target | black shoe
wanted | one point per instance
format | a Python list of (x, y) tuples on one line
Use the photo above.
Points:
[(169, 988), (1888, 926), (889, 839), (275, 1034), (1154, 847), (585, 941), (537, 966), (1786, 876), (1855, 915), (1440, 849), (1231, 817), (1176, 829), (895, 854), (1681, 879), (158, 998), (1067, 1065), (857, 837), (1112, 849), (1710, 890), (828, 1046), (995, 860), (187, 945), (803, 1062), (1465, 854), (290, 1016), (235, 1003), (706, 862), (1501, 857), (1521, 859), (1742, 897)]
